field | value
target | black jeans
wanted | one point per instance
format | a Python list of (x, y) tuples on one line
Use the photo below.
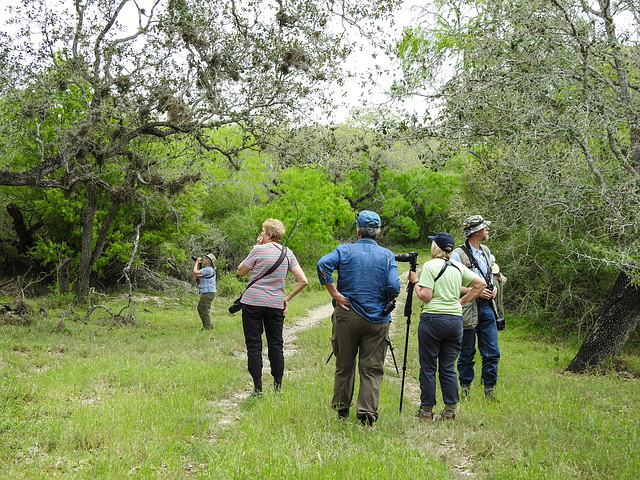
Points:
[(255, 320)]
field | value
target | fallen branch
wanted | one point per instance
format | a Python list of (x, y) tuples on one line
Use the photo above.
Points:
[(93, 308)]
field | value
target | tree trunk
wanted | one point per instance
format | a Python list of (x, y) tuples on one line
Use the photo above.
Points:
[(90, 254), (85, 265), (63, 275), (25, 235), (612, 328)]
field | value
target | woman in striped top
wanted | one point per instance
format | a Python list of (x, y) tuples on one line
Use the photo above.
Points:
[(264, 303)]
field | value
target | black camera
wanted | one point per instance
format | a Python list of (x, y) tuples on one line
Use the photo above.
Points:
[(194, 258), (236, 306), (391, 302), (407, 257), (388, 308)]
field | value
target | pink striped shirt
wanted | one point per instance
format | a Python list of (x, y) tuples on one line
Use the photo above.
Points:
[(268, 291)]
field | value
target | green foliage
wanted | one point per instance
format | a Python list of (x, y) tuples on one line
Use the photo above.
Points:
[(537, 284), (228, 202), (311, 207), (541, 129), (229, 285), (412, 202)]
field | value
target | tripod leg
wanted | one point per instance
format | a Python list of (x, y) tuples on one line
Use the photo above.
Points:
[(393, 356), (330, 355)]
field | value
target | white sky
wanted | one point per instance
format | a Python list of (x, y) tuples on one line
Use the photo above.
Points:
[(352, 95)]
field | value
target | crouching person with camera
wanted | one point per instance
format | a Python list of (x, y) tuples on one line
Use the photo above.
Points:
[(479, 315), (205, 274), (264, 303), (367, 280)]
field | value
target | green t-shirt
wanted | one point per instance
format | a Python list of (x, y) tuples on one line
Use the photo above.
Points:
[(447, 289)]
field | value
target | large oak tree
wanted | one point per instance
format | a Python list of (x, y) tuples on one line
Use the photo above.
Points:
[(113, 100), (545, 96)]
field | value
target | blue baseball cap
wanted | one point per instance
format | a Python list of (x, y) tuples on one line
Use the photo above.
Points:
[(367, 218), (444, 241)]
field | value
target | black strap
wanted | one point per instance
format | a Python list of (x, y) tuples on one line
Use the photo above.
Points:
[(447, 262), (474, 263), (271, 270)]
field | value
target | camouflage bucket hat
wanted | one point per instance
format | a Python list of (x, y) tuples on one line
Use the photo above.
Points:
[(473, 224)]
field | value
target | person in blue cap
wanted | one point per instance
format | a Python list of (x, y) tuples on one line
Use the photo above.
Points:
[(367, 280), (440, 328)]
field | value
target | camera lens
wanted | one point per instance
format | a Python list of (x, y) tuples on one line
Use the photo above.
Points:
[(194, 258)]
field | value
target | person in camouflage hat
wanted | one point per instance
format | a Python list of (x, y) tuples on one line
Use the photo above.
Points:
[(473, 224), (479, 315)]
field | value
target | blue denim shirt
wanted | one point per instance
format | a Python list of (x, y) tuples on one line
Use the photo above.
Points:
[(365, 272)]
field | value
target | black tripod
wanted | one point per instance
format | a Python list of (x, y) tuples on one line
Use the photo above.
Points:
[(408, 306)]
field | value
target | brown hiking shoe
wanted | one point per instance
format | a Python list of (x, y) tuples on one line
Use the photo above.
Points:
[(424, 415), (445, 416)]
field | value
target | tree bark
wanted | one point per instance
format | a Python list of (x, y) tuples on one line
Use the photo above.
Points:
[(90, 254), (25, 235), (85, 265), (63, 275), (613, 326)]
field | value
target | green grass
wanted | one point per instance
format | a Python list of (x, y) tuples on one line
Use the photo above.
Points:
[(164, 399)]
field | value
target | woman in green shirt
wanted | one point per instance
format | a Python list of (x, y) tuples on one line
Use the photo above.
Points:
[(440, 328)]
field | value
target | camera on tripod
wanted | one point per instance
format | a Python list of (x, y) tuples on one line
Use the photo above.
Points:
[(407, 257), (411, 257)]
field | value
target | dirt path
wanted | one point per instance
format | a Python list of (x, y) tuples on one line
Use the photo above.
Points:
[(291, 330), (228, 409)]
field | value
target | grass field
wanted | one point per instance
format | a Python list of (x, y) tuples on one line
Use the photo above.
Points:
[(161, 398)]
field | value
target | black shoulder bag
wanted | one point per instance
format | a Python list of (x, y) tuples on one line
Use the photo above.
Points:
[(237, 305)]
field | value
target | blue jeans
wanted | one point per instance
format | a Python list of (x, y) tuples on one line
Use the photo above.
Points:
[(439, 338), (487, 333)]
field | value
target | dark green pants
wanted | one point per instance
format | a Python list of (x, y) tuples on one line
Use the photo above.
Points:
[(354, 336), (204, 308)]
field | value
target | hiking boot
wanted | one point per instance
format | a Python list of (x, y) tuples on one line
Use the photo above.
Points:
[(277, 384), (367, 423), (490, 395), (445, 416), (257, 393), (343, 415), (425, 415)]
